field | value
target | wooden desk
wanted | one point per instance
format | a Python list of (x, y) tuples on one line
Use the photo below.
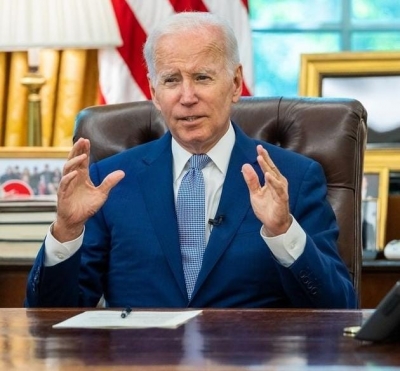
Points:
[(216, 340)]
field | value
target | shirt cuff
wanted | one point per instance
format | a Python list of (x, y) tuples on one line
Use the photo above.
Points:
[(289, 246), (56, 252)]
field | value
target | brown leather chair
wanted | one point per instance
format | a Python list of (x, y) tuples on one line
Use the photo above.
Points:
[(331, 131)]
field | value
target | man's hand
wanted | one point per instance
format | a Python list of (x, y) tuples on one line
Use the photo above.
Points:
[(271, 201), (77, 198)]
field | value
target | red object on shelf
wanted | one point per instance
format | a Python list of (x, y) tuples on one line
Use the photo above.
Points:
[(16, 188)]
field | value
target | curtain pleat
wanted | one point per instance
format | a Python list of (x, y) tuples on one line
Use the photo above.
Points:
[(71, 85), (70, 93), (91, 94), (49, 68), (16, 102), (3, 74)]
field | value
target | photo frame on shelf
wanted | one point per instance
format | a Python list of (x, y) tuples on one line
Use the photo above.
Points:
[(390, 157), (375, 192), (370, 77), (30, 173)]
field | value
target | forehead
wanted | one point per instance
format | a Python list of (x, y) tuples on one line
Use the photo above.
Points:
[(190, 48)]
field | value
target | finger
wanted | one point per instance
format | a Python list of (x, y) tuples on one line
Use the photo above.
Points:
[(66, 181), (76, 149), (265, 161), (81, 146), (111, 180), (251, 178), (75, 163), (263, 153), (278, 186)]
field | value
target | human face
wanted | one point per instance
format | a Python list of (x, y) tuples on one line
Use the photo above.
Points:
[(194, 89)]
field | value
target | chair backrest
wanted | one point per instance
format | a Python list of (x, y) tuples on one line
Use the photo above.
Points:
[(331, 131)]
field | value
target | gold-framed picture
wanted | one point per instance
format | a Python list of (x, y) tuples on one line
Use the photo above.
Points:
[(370, 77), (387, 157), (375, 191), (30, 173)]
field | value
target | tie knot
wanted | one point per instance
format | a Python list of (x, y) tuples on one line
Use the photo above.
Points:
[(199, 161)]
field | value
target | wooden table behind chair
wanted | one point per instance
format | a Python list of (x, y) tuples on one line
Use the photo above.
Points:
[(216, 340), (16, 260)]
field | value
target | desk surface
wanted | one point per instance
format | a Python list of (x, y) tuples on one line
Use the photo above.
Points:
[(216, 340)]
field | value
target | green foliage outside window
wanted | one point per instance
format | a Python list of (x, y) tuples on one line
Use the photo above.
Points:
[(284, 29)]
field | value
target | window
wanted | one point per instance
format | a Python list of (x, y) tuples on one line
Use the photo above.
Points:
[(284, 29)]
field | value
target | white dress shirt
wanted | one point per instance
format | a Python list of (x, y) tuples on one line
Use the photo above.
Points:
[(286, 247)]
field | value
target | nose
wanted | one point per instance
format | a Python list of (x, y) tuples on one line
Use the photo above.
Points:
[(188, 93)]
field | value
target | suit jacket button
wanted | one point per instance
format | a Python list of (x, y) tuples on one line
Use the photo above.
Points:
[(303, 274)]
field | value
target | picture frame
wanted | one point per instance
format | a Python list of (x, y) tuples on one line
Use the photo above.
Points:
[(370, 77), (30, 173), (375, 193), (390, 157)]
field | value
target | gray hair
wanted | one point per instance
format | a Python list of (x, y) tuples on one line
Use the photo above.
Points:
[(189, 21)]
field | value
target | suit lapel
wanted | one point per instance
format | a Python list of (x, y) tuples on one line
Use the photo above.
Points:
[(161, 204), (233, 207)]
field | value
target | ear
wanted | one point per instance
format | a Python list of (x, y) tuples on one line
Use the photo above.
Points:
[(237, 83), (153, 93)]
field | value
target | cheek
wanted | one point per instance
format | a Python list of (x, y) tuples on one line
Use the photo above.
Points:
[(162, 102), (166, 111), (166, 99)]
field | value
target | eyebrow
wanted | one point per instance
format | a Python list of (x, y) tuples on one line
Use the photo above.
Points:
[(168, 74)]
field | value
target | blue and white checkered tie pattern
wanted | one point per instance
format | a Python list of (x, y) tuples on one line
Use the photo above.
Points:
[(190, 209)]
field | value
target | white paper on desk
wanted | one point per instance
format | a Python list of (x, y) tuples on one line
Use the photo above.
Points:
[(111, 319)]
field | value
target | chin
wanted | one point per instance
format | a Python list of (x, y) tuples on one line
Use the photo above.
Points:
[(194, 144)]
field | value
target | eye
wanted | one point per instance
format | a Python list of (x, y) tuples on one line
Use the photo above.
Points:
[(170, 80), (203, 77)]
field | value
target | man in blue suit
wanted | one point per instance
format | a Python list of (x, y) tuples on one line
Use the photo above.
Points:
[(271, 240)]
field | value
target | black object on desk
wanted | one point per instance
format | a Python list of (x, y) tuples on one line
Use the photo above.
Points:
[(384, 323)]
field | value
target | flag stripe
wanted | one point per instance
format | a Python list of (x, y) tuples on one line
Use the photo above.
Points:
[(123, 74), (114, 69), (237, 16), (146, 14), (132, 35), (188, 5)]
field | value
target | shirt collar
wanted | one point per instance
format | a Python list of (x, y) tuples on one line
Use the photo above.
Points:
[(220, 154)]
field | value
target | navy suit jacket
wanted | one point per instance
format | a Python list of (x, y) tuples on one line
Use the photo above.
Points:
[(131, 248)]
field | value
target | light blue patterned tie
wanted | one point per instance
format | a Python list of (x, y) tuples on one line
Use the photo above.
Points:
[(190, 209)]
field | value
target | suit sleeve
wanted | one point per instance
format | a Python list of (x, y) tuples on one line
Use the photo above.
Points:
[(77, 281), (319, 277), (55, 286)]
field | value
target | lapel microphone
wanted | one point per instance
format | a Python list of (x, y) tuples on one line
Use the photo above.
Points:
[(216, 221)]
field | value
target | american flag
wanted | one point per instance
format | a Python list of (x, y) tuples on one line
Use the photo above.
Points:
[(123, 74)]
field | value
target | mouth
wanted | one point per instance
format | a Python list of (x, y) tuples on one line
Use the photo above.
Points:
[(189, 118)]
